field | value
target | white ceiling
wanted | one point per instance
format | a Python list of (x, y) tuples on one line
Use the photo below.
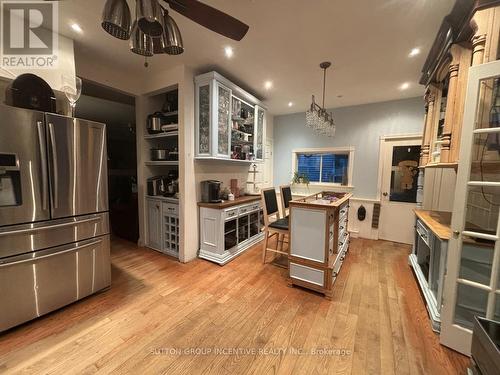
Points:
[(367, 41)]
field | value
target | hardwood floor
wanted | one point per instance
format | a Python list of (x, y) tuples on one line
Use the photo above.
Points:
[(157, 309)]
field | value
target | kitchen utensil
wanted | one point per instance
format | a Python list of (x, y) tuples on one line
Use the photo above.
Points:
[(169, 128), (31, 92), (158, 154), (173, 155), (154, 123), (171, 101), (157, 185)]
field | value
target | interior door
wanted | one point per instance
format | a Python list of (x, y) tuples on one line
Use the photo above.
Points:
[(399, 163), (473, 266), (77, 165), (24, 185)]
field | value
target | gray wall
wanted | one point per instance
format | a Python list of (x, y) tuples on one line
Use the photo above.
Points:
[(359, 126)]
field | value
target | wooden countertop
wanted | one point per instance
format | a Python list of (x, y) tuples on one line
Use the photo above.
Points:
[(439, 222), (225, 204), (315, 200)]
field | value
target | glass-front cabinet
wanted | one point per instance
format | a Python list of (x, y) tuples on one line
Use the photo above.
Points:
[(230, 123), (473, 281)]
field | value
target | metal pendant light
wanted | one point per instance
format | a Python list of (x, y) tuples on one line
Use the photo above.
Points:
[(116, 19), (149, 17), (158, 45), (172, 36), (171, 40), (140, 43)]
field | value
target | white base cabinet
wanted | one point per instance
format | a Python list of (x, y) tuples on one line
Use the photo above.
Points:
[(428, 260), (226, 233), (163, 226)]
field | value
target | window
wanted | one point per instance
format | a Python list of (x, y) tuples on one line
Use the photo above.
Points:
[(325, 166)]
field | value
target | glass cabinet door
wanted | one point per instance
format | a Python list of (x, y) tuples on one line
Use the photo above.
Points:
[(437, 137), (254, 224), (223, 119), (259, 133), (243, 232), (473, 282), (204, 120), (230, 234)]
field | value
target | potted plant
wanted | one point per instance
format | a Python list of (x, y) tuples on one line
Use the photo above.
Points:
[(300, 178), (301, 182)]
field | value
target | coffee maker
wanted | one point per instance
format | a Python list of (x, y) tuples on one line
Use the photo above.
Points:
[(210, 191)]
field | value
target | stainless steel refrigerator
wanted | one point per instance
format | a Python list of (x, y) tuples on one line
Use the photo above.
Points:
[(54, 229)]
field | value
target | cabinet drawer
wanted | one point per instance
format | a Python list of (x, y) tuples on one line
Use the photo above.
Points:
[(244, 209), (63, 275), (338, 264), (255, 206), (170, 208), (308, 274), (343, 215), (342, 225), (230, 213), (342, 237)]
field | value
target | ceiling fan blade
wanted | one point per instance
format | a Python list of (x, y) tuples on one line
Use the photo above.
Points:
[(210, 18)]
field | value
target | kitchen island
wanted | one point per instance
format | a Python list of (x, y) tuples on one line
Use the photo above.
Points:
[(319, 240)]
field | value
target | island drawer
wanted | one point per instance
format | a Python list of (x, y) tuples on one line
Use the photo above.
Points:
[(307, 274)]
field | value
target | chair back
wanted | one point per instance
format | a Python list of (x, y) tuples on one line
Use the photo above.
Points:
[(269, 204), (286, 197)]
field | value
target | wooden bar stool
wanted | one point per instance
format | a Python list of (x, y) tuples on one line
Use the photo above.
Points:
[(273, 224), (286, 197)]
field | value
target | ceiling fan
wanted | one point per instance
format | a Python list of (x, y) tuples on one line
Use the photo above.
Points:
[(154, 31)]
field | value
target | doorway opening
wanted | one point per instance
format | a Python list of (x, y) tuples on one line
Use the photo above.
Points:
[(117, 110)]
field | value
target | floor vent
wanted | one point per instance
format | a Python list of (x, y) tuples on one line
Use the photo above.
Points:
[(376, 215)]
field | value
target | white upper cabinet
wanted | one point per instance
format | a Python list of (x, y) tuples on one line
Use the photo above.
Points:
[(230, 123)]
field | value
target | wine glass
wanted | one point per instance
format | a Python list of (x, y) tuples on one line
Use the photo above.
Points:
[(72, 88)]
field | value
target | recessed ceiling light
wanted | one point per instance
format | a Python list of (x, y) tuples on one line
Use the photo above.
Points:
[(229, 52), (414, 52), (404, 86), (76, 27), (268, 85), (290, 104)]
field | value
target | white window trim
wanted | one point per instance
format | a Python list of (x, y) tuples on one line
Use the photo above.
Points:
[(327, 150)]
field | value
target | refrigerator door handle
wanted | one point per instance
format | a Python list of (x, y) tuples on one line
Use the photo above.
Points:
[(43, 158), (31, 258), (55, 173), (29, 230)]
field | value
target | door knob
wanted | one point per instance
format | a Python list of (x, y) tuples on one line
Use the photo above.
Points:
[(456, 233)]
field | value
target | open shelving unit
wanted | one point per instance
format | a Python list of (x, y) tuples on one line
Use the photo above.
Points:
[(162, 226), (162, 162), (162, 135)]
